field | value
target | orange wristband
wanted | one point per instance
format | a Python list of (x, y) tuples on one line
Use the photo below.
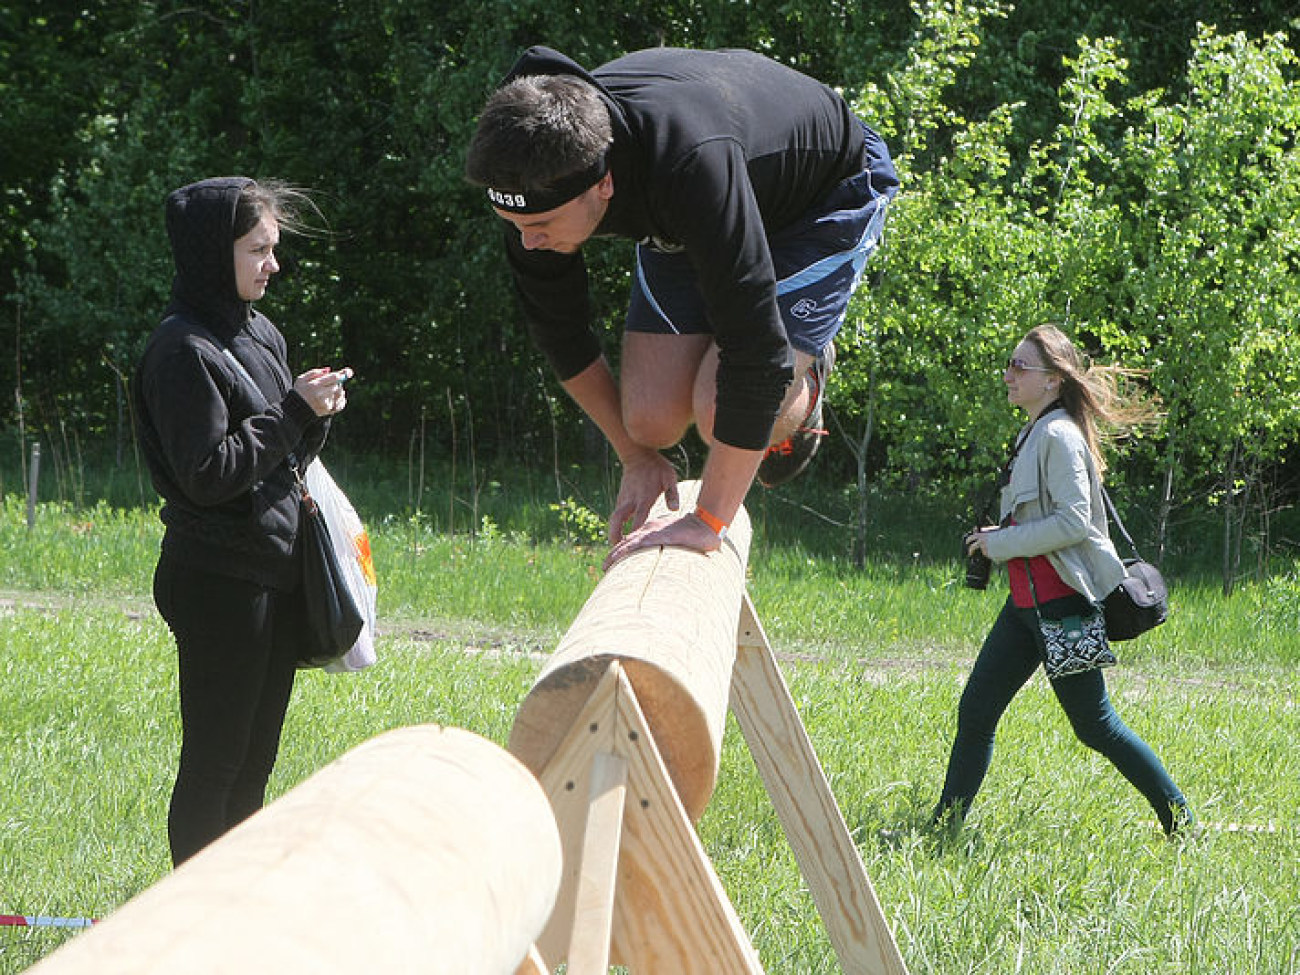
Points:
[(716, 524)]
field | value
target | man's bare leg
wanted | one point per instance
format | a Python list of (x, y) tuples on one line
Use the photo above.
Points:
[(794, 408), (657, 378)]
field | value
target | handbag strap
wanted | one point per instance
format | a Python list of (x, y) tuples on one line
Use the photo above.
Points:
[(1033, 591), (243, 371), (1004, 476), (1119, 522), (259, 397)]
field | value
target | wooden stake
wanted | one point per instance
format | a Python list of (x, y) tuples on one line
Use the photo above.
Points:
[(593, 913), (814, 826), (671, 913)]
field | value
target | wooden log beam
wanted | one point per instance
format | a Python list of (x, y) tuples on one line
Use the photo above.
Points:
[(668, 616), (424, 849)]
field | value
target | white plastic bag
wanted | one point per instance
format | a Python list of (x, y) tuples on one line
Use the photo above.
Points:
[(352, 545)]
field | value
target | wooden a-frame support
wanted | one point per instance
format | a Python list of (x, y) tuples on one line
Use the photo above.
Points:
[(639, 889)]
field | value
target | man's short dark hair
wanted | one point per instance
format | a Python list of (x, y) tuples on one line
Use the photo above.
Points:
[(535, 131)]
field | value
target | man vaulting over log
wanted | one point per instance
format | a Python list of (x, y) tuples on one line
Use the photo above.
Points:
[(755, 197)]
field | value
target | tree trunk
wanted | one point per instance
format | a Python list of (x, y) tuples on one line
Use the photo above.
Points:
[(1229, 503)]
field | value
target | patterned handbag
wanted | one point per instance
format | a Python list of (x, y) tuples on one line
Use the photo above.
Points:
[(1075, 644)]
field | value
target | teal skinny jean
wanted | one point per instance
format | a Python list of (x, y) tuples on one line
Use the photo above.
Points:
[(1011, 653)]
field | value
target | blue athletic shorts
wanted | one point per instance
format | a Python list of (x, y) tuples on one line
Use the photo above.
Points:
[(819, 261)]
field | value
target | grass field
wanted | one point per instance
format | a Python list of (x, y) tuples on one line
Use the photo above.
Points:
[(1061, 868)]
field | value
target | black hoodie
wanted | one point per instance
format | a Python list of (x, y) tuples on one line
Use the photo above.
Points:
[(217, 449)]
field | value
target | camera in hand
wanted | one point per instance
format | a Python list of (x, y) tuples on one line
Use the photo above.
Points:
[(977, 568)]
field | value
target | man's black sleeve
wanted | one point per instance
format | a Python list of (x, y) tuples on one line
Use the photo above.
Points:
[(718, 219), (557, 307)]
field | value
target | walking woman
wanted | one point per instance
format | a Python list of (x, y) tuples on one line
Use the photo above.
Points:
[(1053, 524), (221, 419)]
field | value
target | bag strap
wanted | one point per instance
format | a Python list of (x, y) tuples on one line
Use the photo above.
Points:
[(239, 367), (1004, 475), (259, 397), (1119, 523), (1033, 590), (243, 371)]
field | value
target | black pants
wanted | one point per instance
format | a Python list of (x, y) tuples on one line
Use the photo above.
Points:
[(237, 656)]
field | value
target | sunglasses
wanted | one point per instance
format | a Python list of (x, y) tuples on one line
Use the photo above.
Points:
[(1020, 365)]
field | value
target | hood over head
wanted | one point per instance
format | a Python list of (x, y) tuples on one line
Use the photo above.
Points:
[(539, 59), (201, 226)]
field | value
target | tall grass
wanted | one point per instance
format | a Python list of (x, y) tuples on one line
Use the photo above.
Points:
[(1060, 868)]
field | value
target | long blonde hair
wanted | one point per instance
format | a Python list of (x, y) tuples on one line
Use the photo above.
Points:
[(1102, 400)]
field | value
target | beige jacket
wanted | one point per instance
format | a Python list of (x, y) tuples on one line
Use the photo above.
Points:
[(1054, 497)]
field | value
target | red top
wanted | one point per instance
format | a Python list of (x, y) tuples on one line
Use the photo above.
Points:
[(1047, 582)]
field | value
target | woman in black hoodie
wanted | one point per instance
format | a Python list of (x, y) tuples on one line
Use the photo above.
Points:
[(221, 420)]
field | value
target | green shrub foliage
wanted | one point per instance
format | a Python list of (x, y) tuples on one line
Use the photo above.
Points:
[(1129, 169)]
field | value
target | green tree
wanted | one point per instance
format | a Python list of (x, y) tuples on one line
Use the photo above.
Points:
[(1215, 249), (1138, 185), (1161, 233)]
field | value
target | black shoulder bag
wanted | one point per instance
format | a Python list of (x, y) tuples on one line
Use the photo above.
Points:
[(1141, 601), (334, 620)]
